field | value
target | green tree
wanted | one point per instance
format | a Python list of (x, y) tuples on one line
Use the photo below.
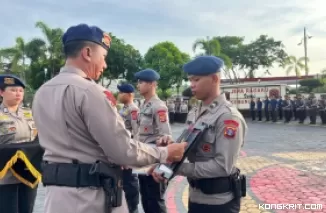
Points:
[(232, 46), (54, 47), (212, 47), (167, 60), (123, 61), (16, 57), (264, 52), (311, 84)]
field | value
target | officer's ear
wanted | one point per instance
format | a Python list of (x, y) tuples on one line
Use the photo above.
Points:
[(86, 53), (216, 78)]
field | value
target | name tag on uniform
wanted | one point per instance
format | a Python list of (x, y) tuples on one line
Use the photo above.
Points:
[(27, 115)]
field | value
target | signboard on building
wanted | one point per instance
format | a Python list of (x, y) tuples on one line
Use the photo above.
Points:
[(240, 95)]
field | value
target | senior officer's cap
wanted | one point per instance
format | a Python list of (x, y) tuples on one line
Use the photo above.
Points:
[(148, 75), (126, 88), (83, 32), (11, 80), (203, 65)]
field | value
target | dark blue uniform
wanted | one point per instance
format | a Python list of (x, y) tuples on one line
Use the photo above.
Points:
[(280, 110), (266, 108), (259, 108), (273, 109), (252, 110)]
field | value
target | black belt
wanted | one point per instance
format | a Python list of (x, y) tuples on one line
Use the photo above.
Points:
[(69, 174), (213, 185)]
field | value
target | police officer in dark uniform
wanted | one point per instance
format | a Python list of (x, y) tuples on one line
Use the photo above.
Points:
[(129, 113), (259, 108), (252, 109), (312, 107), (279, 107), (273, 108), (294, 103), (287, 108), (266, 108), (322, 110), (301, 109)]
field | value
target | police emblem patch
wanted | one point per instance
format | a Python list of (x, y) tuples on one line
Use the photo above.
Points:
[(230, 132), (9, 81), (106, 39), (162, 116), (230, 129)]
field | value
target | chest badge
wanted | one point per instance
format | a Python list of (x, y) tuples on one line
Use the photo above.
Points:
[(206, 147)]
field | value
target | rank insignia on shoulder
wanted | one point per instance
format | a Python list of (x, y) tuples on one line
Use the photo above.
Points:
[(162, 116), (134, 115)]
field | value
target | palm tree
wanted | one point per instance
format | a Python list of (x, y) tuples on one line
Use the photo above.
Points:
[(294, 65), (16, 56), (54, 46)]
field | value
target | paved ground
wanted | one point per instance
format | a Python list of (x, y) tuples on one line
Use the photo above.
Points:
[(285, 164)]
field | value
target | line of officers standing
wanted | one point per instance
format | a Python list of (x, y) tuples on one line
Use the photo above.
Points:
[(298, 108)]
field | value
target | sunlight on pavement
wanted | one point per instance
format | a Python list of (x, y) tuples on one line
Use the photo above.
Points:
[(302, 156), (249, 165)]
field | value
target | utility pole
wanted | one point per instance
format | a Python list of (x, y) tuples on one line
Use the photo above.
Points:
[(304, 40), (305, 50)]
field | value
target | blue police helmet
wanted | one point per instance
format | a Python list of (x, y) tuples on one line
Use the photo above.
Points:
[(83, 32), (11, 80), (203, 65), (148, 75), (126, 88)]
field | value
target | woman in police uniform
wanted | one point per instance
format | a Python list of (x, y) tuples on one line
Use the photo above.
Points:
[(16, 126)]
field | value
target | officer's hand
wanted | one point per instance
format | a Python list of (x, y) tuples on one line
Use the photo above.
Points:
[(157, 177), (176, 151), (164, 140)]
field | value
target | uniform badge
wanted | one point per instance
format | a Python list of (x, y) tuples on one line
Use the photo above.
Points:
[(111, 98), (134, 115), (9, 81), (106, 39), (162, 116), (206, 147), (11, 129), (27, 115), (230, 129)]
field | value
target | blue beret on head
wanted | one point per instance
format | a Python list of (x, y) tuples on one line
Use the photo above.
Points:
[(148, 75), (126, 88), (203, 65), (83, 32), (11, 80)]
